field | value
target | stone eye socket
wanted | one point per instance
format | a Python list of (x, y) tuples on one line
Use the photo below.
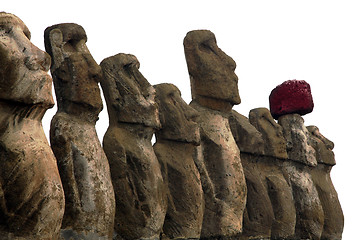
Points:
[(205, 47), (70, 45), (5, 29)]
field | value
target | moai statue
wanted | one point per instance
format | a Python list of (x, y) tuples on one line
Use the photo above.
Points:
[(31, 193), (334, 220), (175, 148), (133, 116), (83, 166), (269, 169), (272, 133), (258, 214), (288, 102), (214, 92)]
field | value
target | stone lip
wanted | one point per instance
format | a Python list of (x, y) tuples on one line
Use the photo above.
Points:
[(292, 96)]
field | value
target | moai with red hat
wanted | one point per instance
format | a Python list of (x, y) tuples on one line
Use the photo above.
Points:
[(288, 103)]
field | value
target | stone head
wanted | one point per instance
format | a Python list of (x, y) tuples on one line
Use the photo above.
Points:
[(176, 116), (298, 144), (23, 66), (130, 97), (323, 146), (75, 73), (211, 70), (272, 132)]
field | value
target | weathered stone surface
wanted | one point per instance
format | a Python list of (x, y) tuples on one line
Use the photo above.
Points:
[(292, 96), (282, 200), (176, 117), (133, 94), (83, 166), (323, 147), (271, 131), (221, 175), (214, 92), (211, 71), (31, 193), (309, 211), (334, 220), (268, 170), (298, 145), (175, 146), (258, 214), (247, 137), (133, 114), (270, 209)]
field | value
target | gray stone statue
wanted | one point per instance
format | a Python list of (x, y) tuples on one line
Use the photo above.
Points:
[(83, 166), (133, 116), (269, 169), (214, 92), (31, 193), (258, 214), (175, 148), (302, 158), (333, 215)]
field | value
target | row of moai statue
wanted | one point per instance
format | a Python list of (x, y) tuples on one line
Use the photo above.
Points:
[(212, 173)]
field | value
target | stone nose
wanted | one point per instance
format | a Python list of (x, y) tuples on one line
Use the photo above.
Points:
[(37, 59), (190, 113), (95, 71)]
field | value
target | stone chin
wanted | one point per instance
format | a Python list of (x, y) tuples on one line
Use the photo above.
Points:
[(37, 90), (195, 137), (189, 133)]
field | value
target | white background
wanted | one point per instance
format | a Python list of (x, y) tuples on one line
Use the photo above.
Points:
[(271, 41)]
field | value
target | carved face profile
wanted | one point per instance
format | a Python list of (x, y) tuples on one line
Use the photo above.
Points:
[(211, 70), (23, 66), (75, 73), (272, 132), (176, 116), (130, 97), (323, 146), (298, 144)]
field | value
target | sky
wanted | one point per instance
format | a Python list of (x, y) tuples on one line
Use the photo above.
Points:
[(271, 42)]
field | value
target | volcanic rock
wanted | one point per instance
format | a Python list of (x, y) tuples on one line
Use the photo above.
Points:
[(83, 166), (292, 96), (222, 176), (271, 131), (175, 146), (214, 92), (140, 193), (309, 210), (31, 193), (298, 145), (211, 71), (247, 137), (333, 215)]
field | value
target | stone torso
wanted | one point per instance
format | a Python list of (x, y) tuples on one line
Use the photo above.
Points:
[(137, 181), (185, 196), (32, 201), (222, 177), (85, 172)]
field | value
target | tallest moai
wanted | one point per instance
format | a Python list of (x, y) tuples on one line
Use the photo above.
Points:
[(214, 92)]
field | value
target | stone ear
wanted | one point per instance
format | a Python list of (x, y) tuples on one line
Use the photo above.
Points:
[(56, 37), (56, 40), (160, 106)]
